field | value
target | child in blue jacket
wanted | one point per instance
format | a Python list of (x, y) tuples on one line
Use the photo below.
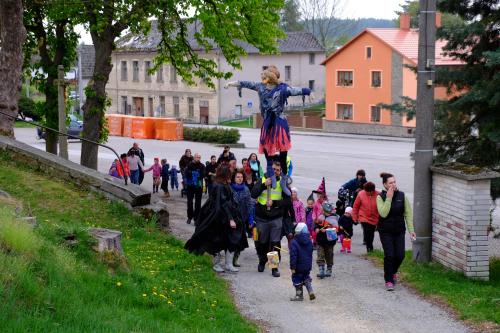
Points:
[(174, 178), (301, 251)]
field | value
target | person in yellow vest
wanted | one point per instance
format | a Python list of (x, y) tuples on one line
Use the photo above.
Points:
[(269, 211)]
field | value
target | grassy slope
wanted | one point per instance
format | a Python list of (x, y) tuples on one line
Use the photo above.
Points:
[(241, 123), (473, 300), (52, 287)]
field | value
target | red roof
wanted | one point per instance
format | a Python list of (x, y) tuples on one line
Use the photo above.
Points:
[(404, 42)]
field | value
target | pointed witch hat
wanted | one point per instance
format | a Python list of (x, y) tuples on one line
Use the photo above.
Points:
[(321, 188), (311, 196)]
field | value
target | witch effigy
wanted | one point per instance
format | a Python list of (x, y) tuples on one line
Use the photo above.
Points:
[(274, 140)]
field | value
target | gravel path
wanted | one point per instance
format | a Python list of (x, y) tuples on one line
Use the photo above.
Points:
[(353, 301)]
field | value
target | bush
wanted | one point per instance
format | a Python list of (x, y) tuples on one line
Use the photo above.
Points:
[(28, 108), (211, 135)]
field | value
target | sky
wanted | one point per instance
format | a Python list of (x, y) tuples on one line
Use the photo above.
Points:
[(383, 9)]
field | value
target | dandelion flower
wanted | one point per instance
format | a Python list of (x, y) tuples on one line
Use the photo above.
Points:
[(144, 295), (119, 284)]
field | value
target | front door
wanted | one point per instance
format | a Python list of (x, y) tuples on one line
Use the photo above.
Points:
[(138, 106), (204, 112)]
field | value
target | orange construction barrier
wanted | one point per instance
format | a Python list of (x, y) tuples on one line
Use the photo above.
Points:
[(127, 126), (143, 127), (115, 124), (168, 129)]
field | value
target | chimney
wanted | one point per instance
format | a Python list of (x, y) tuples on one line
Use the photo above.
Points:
[(438, 19), (404, 21)]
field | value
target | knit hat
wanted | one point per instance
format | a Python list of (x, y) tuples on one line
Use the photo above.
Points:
[(327, 208), (301, 228), (294, 189), (348, 210)]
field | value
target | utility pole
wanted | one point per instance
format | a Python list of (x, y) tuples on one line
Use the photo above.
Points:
[(424, 141), (61, 86)]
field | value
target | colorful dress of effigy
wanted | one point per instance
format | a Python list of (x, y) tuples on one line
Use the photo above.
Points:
[(275, 133)]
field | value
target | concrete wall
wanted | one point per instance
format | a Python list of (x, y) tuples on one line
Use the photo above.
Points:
[(62, 169), (301, 73), (153, 90), (460, 220), (367, 129)]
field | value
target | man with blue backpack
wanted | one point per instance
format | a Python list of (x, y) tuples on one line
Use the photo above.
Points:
[(195, 173)]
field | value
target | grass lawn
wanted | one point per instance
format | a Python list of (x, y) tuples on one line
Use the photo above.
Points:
[(475, 301), (22, 124), (241, 123), (48, 285)]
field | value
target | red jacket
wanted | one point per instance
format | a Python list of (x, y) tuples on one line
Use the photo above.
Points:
[(365, 208), (119, 168)]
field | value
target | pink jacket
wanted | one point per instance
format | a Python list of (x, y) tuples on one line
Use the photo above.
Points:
[(318, 209), (300, 211), (365, 208), (156, 170)]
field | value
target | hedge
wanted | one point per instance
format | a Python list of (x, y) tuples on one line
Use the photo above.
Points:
[(211, 135)]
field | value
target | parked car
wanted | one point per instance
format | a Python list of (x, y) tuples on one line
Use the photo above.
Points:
[(75, 127)]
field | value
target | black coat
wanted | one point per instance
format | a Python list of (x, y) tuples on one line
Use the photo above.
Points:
[(301, 253), (213, 232), (346, 223)]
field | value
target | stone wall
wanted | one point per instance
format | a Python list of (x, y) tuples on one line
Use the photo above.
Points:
[(460, 219), (368, 129), (62, 169)]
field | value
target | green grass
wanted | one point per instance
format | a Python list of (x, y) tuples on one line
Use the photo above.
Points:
[(473, 300), (47, 285), (22, 124), (241, 123)]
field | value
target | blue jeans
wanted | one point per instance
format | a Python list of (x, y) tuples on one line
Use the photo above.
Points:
[(134, 176)]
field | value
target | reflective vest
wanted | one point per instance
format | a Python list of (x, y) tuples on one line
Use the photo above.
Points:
[(288, 160), (276, 193)]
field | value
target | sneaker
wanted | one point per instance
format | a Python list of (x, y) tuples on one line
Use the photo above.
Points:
[(342, 250), (188, 221), (312, 297), (395, 278), (261, 267), (389, 286), (348, 251), (275, 272)]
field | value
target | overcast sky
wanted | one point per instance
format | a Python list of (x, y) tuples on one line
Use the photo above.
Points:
[(383, 9)]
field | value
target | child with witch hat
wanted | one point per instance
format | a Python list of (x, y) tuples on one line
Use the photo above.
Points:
[(309, 217), (326, 227)]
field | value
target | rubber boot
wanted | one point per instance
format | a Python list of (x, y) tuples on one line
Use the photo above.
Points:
[(329, 271), (310, 290), (299, 294), (217, 263), (321, 273), (229, 263), (235, 259)]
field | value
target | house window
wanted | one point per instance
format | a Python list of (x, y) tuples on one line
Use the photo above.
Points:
[(311, 84), (311, 58), (135, 68), (190, 107), (147, 75), (162, 106), (159, 74), (344, 78), (288, 73), (375, 114), (344, 111), (124, 104), (173, 74), (175, 99), (368, 52), (124, 71), (376, 79)]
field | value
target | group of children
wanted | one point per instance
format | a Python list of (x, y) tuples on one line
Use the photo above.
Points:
[(319, 226), (162, 173)]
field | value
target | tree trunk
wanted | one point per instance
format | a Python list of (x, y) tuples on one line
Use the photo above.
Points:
[(12, 37), (94, 107), (51, 114)]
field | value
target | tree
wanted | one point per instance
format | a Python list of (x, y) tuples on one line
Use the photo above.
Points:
[(412, 7), (12, 36), (51, 36), (290, 17), (209, 23), (319, 17), (469, 126)]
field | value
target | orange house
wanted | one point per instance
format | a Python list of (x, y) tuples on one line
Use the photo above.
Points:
[(370, 69)]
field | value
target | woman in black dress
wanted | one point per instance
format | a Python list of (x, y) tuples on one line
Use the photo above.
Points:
[(220, 227)]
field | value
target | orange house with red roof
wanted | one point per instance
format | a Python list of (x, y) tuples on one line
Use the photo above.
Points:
[(371, 69)]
